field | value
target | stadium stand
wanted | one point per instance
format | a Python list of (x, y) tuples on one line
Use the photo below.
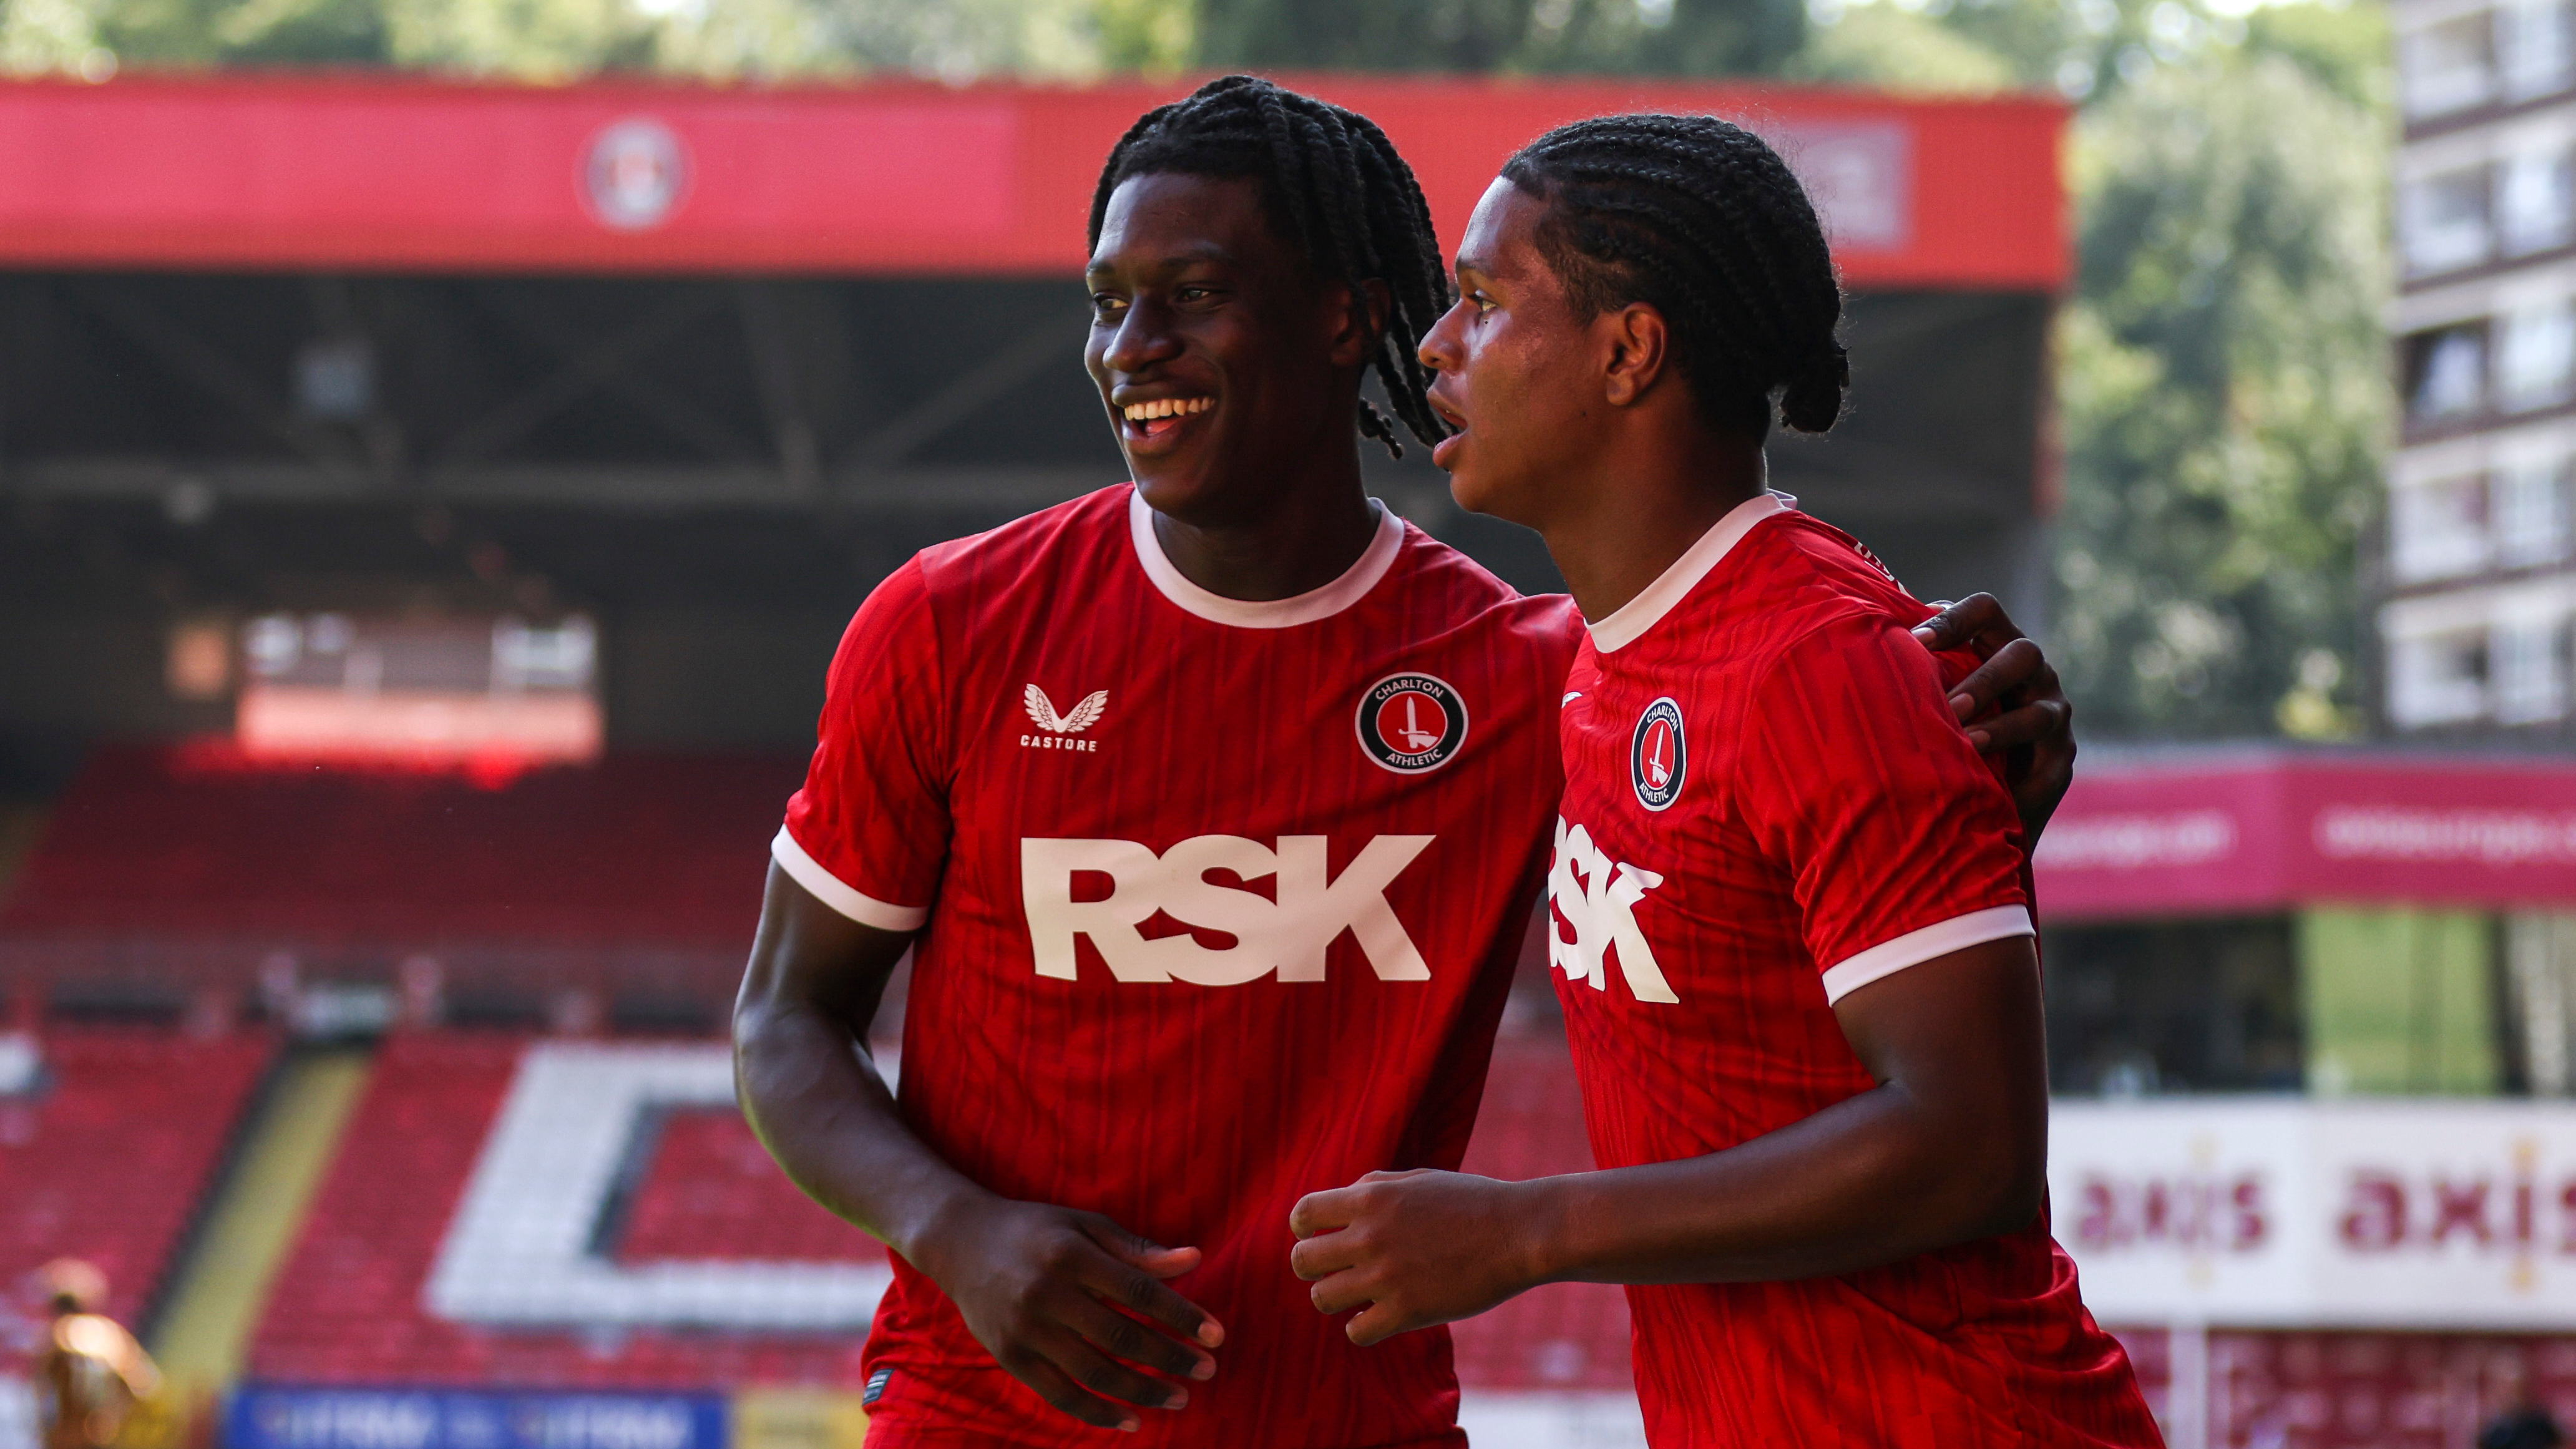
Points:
[(2358, 1389), (482, 1171), (351, 1306), (709, 1192), (360, 1301), (1566, 1336), (191, 867), (108, 1157)]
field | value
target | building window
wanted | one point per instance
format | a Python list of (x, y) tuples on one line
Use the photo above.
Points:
[(2534, 191), (2530, 685), (2438, 530), (2445, 67), (2450, 374), (2436, 679), (2534, 356), (2531, 48), (2446, 222), (2173, 1006), (2529, 505)]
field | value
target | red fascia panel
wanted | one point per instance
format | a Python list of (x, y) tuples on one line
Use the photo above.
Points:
[(377, 174), (2264, 834)]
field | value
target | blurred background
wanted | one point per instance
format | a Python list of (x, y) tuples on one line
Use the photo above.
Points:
[(440, 444)]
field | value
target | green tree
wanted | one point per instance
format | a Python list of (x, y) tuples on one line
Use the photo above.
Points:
[(2222, 383), (1904, 50), (2225, 399), (547, 40), (1676, 37)]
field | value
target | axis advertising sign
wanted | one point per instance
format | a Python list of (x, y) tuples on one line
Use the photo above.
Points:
[(2317, 1214)]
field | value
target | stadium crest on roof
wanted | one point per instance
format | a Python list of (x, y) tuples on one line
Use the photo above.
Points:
[(635, 174)]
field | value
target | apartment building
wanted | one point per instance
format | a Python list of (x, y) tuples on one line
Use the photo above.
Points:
[(2478, 572)]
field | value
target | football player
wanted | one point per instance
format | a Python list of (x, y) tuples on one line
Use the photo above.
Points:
[(1789, 904)]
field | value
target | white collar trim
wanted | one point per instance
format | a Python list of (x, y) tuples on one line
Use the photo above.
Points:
[(1631, 620), (1305, 608)]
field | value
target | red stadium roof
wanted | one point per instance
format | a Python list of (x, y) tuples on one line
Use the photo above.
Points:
[(410, 175)]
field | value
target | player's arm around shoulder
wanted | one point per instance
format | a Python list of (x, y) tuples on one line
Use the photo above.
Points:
[(2012, 704)]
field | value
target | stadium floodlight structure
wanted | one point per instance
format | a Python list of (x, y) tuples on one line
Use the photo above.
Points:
[(702, 363)]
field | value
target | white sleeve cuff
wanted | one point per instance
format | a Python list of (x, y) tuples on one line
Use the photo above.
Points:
[(826, 887), (1915, 947)]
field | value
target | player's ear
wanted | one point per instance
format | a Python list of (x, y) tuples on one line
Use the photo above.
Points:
[(1637, 347), (1361, 313)]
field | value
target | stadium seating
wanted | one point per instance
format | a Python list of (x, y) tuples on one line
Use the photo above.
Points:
[(187, 842), (1565, 1336), (109, 1158), (188, 865), (709, 1192), (351, 1306), (2359, 1390), (194, 866), (359, 1300)]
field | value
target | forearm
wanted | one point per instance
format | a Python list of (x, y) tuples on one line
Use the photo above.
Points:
[(1032, 1282), (1868, 1181), (817, 1103)]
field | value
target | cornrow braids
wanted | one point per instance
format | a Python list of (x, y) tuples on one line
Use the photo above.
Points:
[(1699, 219), (1336, 185)]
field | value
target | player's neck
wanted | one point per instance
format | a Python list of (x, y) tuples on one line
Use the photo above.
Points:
[(1642, 509), (1305, 533)]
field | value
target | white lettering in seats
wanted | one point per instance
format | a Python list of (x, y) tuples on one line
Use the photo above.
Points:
[(1289, 935), (1598, 897)]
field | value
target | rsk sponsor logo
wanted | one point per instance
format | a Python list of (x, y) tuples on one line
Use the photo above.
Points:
[(1286, 932), (1061, 728), (1598, 897)]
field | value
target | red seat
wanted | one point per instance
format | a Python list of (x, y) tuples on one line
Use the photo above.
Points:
[(1565, 1336), (110, 1161), (189, 868), (348, 1307)]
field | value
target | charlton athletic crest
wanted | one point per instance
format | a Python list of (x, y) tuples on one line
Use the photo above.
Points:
[(1657, 755), (1410, 723)]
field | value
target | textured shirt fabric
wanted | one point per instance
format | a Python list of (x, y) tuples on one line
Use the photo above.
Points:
[(1221, 902), (1767, 806)]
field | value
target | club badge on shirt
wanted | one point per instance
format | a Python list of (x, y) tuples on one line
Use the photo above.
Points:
[(1658, 757), (1410, 723)]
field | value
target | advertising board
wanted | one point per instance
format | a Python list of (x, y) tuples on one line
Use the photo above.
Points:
[(2320, 1214), (2220, 834), (263, 1416)]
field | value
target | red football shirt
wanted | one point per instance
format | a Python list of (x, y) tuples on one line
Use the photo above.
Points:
[(1768, 805), (1222, 900)]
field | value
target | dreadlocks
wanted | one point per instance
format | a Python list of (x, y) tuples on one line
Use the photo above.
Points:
[(1700, 220), (1335, 184)]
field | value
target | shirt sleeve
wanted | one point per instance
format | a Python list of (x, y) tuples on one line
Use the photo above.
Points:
[(868, 835), (1900, 843)]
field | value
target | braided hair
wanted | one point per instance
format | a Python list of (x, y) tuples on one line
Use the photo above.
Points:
[(1334, 183), (1699, 219)]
